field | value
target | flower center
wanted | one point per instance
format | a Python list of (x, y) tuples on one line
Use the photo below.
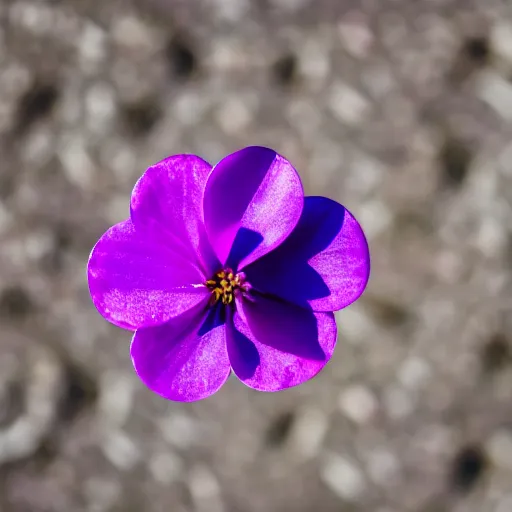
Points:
[(225, 285)]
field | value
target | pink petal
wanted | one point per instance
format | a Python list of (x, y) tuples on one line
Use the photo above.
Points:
[(184, 360), (168, 200), (255, 194), (274, 345), (138, 281), (323, 265)]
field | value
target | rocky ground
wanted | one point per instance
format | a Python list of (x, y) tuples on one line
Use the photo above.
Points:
[(399, 109)]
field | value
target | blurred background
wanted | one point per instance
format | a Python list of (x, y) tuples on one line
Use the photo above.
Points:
[(399, 109)]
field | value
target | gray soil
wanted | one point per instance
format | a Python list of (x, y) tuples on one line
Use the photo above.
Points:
[(399, 109)]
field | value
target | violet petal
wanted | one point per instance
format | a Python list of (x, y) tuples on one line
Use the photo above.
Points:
[(323, 265), (138, 281), (168, 199), (185, 359), (254, 190), (275, 345)]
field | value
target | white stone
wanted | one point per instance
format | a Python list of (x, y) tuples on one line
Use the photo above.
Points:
[(358, 404), (131, 32), (76, 161), (501, 40), (289, 5), (226, 54), (496, 91), (355, 34), (383, 467), (38, 147), (5, 218), (120, 450), (91, 44), (189, 107), (499, 449), (505, 504), (101, 494), (347, 104), (343, 477), (366, 174), (203, 484), (230, 10), (14, 79), (314, 60), (204, 489), (355, 325), (398, 402), (116, 397), (449, 266), (414, 372), (305, 118), (326, 160), (309, 430), (100, 107), (434, 439), (166, 467), (233, 116), (377, 80), (179, 430), (33, 16), (2, 43), (375, 217), (20, 440), (117, 209), (491, 237), (505, 161), (38, 244), (70, 109)]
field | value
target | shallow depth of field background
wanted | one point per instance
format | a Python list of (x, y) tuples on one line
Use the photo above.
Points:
[(399, 109)]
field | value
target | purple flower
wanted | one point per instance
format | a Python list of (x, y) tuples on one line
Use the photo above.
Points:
[(229, 268)]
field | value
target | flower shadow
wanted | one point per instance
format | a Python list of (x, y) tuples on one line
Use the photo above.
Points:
[(246, 241), (286, 271), (215, 317), (276, 325)]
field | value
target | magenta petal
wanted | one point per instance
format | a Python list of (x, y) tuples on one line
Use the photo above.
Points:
[(168, 199), (274, 345), (323, 265), (256, 194), (184, 360), (136, 281)]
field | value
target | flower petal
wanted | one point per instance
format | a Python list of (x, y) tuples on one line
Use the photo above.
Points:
[(136, 281), (255, 194), (323, 265), (168, 199), (275, 345), (185, 359)]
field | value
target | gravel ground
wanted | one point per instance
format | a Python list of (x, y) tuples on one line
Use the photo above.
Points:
[(399, 109)]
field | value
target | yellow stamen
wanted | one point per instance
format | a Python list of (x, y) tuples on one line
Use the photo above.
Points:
[(224, 285)]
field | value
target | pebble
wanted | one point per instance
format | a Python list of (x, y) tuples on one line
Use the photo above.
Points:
[(397, 402), (343, 477), (179, 430), (120, 450), (309, 431), (383, 467), (414, 373), (499, 449), (116, 397), (358, 404), (233, 115), (496, 91), (355, 35), (166, 467), (347, 104), (204, 489)]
